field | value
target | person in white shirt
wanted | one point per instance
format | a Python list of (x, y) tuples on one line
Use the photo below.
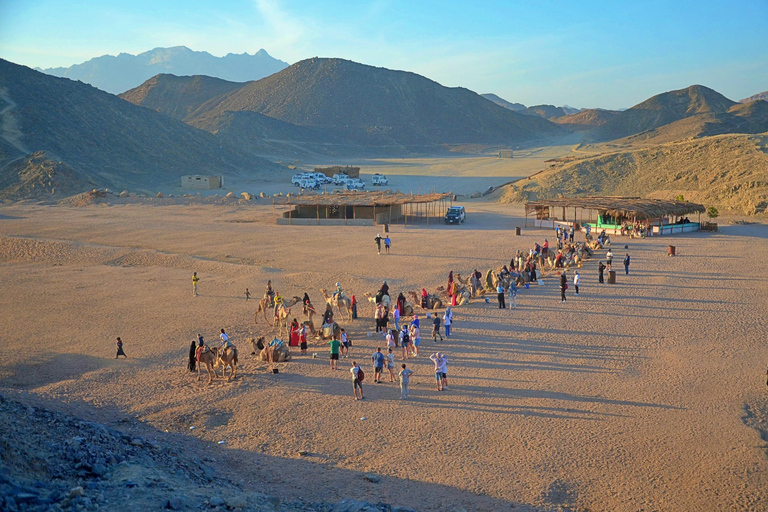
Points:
[(576, 282), (225, 343), (391, 365), (448, 321), (405, 378), (355, 371)]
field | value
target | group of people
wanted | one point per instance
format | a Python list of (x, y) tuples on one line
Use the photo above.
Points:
[(199, 346)]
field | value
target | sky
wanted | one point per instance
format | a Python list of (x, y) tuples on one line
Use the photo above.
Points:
[(583, 53)]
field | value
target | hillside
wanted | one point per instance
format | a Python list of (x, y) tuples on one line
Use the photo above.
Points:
[(374, 107), (65, 136), (586, 119), (119, 73), (759, 96), (517, 107), (178, 96), (550, 112), (664, 109), (726, 171)]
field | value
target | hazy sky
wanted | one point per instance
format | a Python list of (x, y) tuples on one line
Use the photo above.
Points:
[(582, 53)]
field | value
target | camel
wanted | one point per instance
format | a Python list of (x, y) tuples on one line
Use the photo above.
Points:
[(386, 301), (265, 304), (433, 301), (283, 312), (343, 304), (336, 334), (208, 358), (309, 311), (228, 357), (270, 354)]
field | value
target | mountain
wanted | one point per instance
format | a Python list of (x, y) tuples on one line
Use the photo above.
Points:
[(586, 119), (60, 135), (664, 109), (517, 107), (365, 106), (550, 112), (727, 171), (759, 96), (119, 73)]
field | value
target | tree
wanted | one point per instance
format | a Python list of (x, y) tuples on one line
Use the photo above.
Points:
[(712, 212), (680, 198)]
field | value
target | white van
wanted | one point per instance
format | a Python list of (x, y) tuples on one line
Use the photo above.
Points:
[(309, 183), (379, 179), (296, 180), (340, 179), (355, 184)]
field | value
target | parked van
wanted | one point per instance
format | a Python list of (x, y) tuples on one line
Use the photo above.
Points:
[(340, 179), (309, 183), (379, 179)]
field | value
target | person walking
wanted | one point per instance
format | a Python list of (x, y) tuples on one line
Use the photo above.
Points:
[(378, 365), (570, 234), (387, 243), (247, 295), (576, 282), (601, 273), (357, 382), (404, 340), (500, 292), (353, 307), (626, 264), (120, 349), (335, 345), (436, 329), (405, 379), (563, 286), (345, 344), (396, 317), (513, 294), (378, 240), (448, 321), (195, 280)]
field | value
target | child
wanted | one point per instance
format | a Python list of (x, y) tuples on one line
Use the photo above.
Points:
[(391, 365), (405, 377), (120, 349)]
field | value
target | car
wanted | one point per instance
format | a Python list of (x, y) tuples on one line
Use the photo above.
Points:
[(310, 183), (455, 215), (379, 179), (321, 178), (354, 185), (340, 179), (298, 177)]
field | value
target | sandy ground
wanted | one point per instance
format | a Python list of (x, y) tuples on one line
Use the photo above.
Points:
[(636, 396)]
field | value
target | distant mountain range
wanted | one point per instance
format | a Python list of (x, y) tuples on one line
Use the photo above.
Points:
[(339, 100), (119, 73), (61, 137)]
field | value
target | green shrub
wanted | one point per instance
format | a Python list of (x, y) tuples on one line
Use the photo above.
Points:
[(712, 212)]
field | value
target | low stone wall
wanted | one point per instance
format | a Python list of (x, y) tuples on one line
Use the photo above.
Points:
[(281, 221)]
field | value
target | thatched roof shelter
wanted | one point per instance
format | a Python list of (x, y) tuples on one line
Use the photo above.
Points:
[(631, 207)]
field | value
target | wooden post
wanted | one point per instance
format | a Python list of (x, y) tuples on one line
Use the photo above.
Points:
[(318, 214), (289, 213)]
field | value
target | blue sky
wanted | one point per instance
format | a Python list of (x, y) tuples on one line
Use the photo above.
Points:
[(581, 53)]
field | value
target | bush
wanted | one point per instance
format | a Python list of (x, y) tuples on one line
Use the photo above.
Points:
[(712, 212), (680, 198)]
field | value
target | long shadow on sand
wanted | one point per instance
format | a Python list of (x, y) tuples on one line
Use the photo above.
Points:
[(52, 368)]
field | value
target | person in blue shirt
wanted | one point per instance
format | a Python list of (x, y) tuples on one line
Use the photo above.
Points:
[(378, 365)]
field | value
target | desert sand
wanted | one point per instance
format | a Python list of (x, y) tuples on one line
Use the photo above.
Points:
[(645, 395)]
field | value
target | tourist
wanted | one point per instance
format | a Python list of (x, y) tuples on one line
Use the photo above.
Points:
[(570, 234), (339, 293), (380, 316), (195, 280), (378, 365), (391, 365), (345, 344), (303, 339), (270, 293), (576, 282), (563, 286), (390, 338), (601, 270), (416, 321), (396, 317), (387, 243), (384, 290), (415, 337), (436, 329), (513, 294), (335, 345), (626, 264), (120, 349), (438, 374), (443, 370), (355, 371), (378, 240), (404, 375), (545, 248), (225, 344), (609, 260), (500, 291), (247, 295), (404, 341), (448, 321)]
